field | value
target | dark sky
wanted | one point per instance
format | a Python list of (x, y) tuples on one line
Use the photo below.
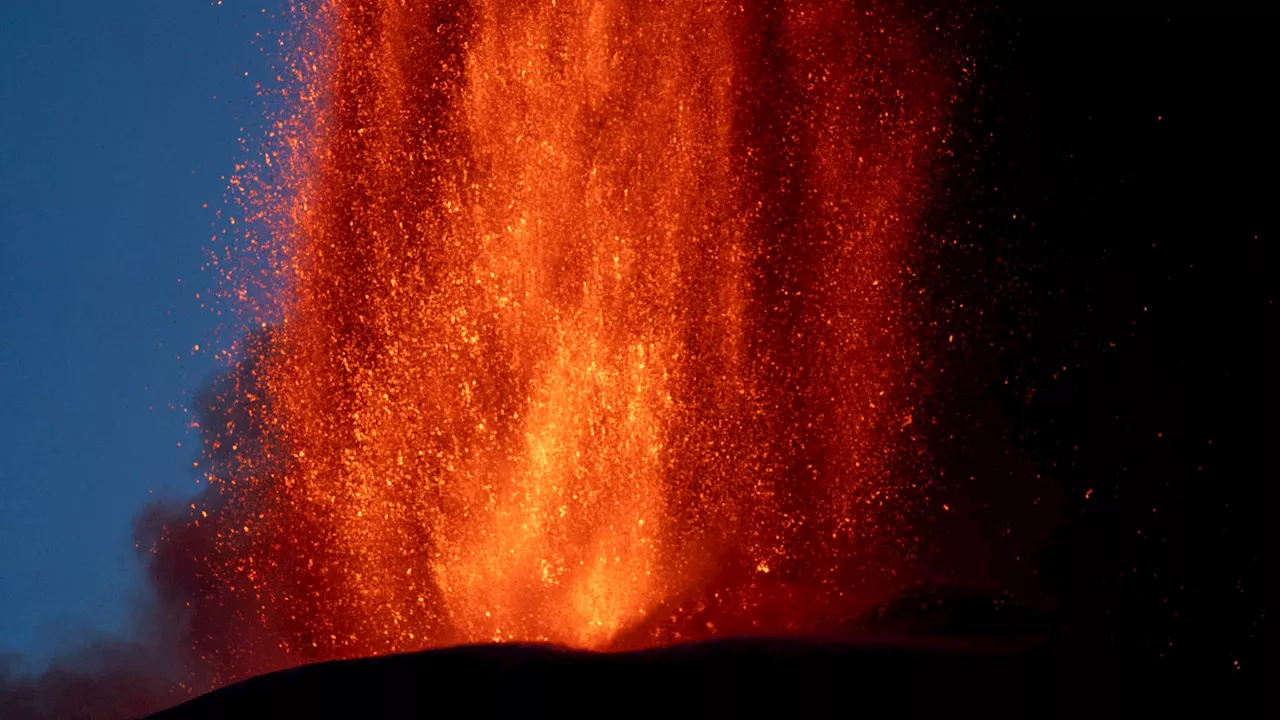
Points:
[(117, 123)]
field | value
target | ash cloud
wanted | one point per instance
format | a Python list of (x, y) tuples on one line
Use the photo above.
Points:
[(113, 678), (159, 662)]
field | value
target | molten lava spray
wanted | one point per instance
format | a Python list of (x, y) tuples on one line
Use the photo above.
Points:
[(594, 327)]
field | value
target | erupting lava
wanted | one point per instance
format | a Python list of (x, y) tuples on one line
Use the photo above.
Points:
[(594, 326)]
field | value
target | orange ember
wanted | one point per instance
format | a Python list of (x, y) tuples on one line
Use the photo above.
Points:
[(595, 328)]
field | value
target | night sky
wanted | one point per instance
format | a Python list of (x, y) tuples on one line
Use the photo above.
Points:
[(1121, 328), (119, 121)]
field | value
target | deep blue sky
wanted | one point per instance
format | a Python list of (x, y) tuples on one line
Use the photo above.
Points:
[(117, 122)]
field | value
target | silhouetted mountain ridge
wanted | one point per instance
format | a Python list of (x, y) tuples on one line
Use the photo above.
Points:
[(935, 652)]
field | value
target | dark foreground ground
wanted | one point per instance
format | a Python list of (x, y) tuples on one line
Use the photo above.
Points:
[(723, 679)]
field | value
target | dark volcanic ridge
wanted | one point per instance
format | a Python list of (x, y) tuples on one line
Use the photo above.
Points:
[(1020, 676)]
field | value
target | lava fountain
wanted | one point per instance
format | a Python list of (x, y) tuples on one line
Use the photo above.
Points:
[(594, 325)]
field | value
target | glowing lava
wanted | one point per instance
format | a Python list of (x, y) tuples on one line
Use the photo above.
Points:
[(595, 327)]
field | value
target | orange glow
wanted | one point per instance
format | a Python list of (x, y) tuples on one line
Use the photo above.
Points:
[(596, 329)]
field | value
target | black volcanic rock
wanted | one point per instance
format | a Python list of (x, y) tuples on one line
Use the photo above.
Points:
[(792, 678), (731, 677), (934, 651)]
